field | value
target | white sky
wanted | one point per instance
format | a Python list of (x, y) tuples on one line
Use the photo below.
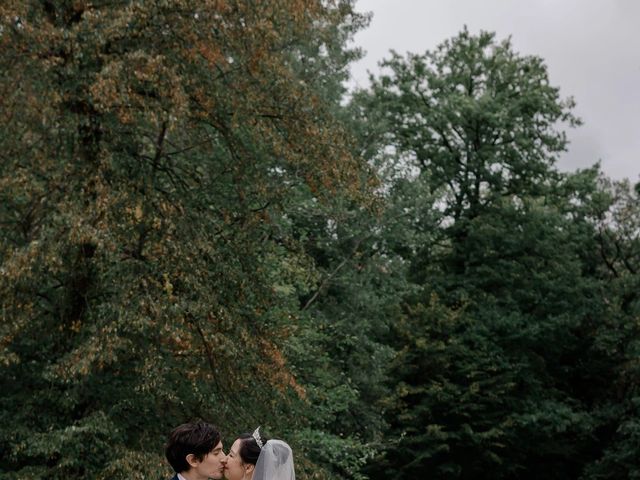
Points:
[(591, 48)]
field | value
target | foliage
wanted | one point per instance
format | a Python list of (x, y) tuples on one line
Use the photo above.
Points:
[(501, 370), (193, 224), (149, 153)]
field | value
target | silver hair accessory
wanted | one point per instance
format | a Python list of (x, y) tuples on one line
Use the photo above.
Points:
[(256, 437)]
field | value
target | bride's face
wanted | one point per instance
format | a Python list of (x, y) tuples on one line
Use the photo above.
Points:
[(235, 468)]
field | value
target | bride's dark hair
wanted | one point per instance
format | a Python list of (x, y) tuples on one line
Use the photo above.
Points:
[(249, 449)]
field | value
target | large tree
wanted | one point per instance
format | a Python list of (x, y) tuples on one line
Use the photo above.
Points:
[(149, 151), (614, 209), (496, 344), (477, 116)]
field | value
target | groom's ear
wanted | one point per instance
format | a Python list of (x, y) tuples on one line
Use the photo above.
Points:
[(192, 460)]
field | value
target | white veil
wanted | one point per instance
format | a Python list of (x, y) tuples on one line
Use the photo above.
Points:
[(275, 462)]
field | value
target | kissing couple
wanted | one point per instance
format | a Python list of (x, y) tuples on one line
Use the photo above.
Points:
[(194, 451)]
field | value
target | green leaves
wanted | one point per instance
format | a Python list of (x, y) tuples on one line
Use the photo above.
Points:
[(151, 156), (475, 115), (192, 225), (501, 363)]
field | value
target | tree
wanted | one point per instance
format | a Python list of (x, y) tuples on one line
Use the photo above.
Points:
[(475, 115), (492, 370), (614, 211), (148, 155)]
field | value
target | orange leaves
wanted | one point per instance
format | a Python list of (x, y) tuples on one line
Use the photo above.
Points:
[(170, 137), (277, 372), (168, 287), (211, 53), (21, 261), (93, 354), (140, 88)]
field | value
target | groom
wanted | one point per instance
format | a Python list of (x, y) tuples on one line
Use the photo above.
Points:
[(194, 450)]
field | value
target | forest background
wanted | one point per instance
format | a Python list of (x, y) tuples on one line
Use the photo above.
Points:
[(197, 221)]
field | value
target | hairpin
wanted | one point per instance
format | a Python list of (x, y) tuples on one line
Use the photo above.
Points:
[(256, 437)]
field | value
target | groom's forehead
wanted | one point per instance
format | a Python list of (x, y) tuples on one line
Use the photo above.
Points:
[(218, 447)]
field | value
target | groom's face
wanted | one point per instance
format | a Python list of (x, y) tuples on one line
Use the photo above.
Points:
[(212, 465)]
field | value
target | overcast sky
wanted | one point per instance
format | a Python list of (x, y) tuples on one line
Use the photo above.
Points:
[(591, 47)]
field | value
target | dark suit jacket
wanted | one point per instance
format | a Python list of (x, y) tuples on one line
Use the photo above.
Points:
[(175, 477)]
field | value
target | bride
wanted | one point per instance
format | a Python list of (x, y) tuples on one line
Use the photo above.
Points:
[(253, 457)]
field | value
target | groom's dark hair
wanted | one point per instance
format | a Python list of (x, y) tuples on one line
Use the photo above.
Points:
[(197, 438)]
